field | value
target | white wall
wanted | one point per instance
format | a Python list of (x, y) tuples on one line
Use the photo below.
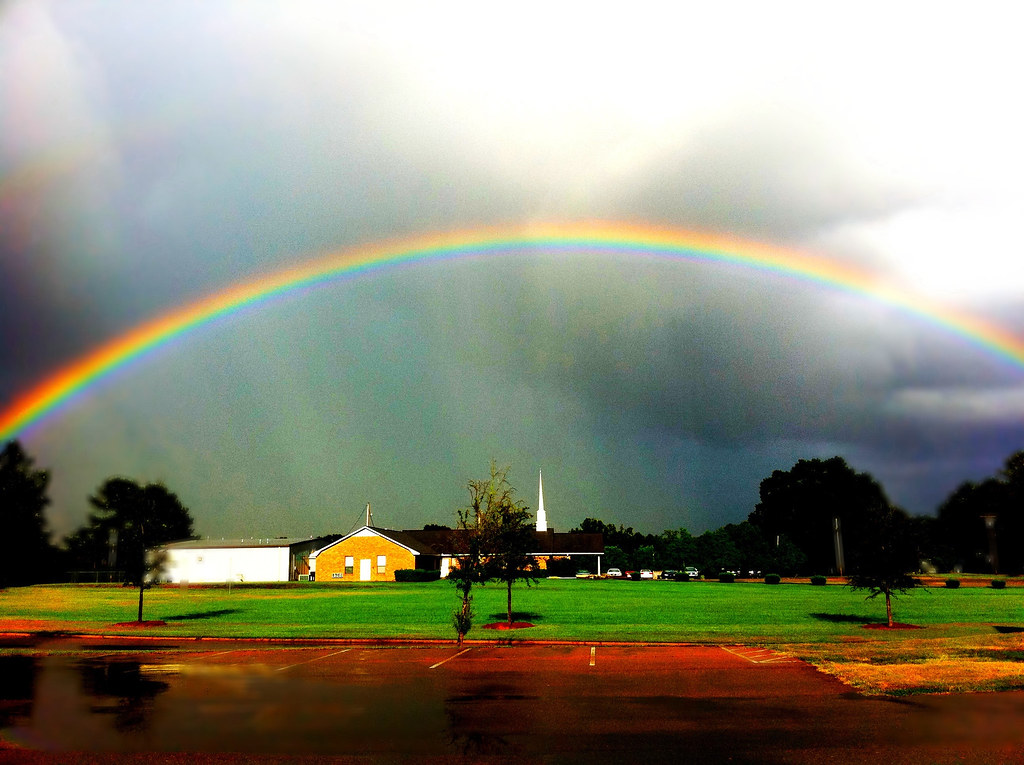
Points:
[(222, 564)]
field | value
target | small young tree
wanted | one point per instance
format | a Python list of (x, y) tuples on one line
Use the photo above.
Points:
[(469, 567), (885, 561), (507, 533)]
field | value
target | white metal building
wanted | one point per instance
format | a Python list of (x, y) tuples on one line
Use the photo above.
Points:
[(199, 561)]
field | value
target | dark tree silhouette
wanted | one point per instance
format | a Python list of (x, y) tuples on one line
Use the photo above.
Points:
[(139, 518), (23, 499), (981, 524), (887, 558), (802, 504)]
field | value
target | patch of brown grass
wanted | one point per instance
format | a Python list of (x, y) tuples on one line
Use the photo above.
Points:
[(951, 660), (930, 676)]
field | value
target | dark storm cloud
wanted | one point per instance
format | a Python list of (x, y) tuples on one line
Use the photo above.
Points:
[(217, 142)]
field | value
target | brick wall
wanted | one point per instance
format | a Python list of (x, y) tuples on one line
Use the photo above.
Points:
[(332, 560)]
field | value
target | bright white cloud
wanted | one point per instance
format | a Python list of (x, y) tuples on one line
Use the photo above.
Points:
[(960, 405), (951, 252)]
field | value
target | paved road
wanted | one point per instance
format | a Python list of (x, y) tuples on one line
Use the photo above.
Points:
[(572, 704)]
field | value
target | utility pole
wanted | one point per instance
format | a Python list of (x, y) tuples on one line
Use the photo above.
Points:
[(837, 533)]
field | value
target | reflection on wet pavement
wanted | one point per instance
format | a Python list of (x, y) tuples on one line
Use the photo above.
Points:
[(504, 704), (121, 704)]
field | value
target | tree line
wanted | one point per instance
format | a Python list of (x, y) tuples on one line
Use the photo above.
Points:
[(126, 519), (823, 517), (817, 517)]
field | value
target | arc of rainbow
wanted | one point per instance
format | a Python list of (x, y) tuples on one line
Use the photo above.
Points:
[(606, 238)]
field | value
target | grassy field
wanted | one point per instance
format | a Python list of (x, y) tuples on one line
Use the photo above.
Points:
[(972, 638)]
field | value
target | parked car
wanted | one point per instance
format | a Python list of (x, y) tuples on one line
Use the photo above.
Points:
[(646, 573), (614, 573), (669, 574), (691, 572), (582, 574)]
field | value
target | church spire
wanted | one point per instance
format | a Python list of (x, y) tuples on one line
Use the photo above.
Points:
[(542, 517)]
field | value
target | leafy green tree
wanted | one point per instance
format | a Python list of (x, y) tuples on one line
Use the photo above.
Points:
[(644, 557), (23, 498), (786, 558), (622, 537), (887, 560), (138, 518), (507, 533), (716, 552), (614, 557), (675, 549)]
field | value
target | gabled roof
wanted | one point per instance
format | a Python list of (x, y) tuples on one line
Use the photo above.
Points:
[(400, 538)]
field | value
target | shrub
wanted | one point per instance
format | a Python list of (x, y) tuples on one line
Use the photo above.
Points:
[(952, 584), (727, 576), (998, 584), (416, 575), (772, 579), (819, 580)]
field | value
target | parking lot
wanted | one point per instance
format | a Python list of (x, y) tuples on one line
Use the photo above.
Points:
[(115, 700)]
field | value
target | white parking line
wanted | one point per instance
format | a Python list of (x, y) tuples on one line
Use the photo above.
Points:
[(760, 655), (593, 655), (435, 666), (310, 661)]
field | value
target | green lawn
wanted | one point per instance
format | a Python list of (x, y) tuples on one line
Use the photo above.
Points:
[(560, 609), (972, 639)]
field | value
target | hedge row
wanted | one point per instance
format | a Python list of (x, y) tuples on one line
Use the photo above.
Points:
[(416, 575)]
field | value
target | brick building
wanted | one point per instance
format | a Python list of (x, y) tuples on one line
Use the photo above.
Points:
[(371, 554)]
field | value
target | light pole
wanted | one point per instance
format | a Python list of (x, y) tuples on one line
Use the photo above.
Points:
[(993, 555)]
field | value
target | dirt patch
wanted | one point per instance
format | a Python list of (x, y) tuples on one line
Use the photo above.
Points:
[(139, 625), (895, 626), (506, 626)]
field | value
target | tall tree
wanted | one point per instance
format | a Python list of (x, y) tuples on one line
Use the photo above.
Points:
[(23, 499), (804, 503), (138, 518), (888, 558), (507, 532), (980, 524), (962, 527)]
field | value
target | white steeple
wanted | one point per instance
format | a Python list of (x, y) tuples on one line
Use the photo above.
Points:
[(542, 517)]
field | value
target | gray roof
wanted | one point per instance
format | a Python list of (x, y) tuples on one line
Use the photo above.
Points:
[(213, 544)]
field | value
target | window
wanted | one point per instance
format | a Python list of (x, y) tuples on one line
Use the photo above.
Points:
[(382, 564), (350, 564)]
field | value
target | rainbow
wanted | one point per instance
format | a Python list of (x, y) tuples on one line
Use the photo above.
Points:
[(597, 238)]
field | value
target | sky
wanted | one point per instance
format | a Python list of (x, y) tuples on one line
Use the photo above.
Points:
[(152, 154)]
